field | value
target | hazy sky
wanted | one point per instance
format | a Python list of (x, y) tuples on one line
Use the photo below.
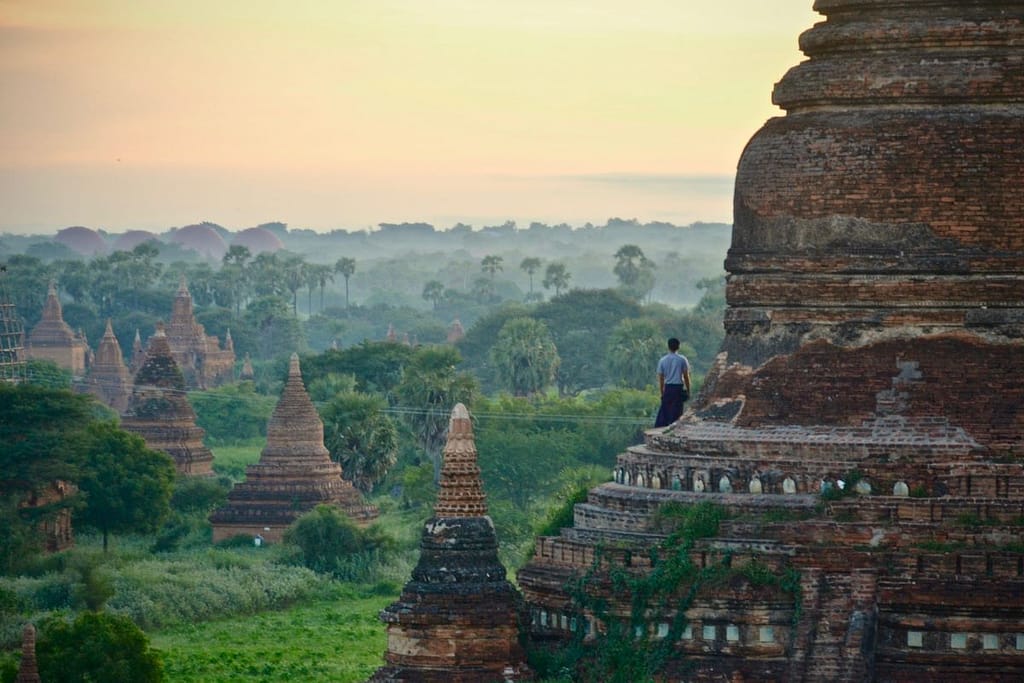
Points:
[(121, 114)]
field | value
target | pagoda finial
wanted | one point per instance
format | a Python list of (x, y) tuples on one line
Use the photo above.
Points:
[(52, 310), (28, 670), (159, 329), (182, 285), (109, 331), (461, 493)]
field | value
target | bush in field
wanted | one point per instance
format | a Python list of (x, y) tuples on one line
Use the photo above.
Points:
[(209, 585), (330, 542), (96, 647)]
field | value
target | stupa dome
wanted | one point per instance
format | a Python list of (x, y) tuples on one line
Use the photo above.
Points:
[(200, 238), (85, 241)]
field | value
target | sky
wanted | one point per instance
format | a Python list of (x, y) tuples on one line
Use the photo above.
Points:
[(325, 114)]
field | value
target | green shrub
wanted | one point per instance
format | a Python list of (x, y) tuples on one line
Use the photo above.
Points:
[(96, 647), (329, 542)]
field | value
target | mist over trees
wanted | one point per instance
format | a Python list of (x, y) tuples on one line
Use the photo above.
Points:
[(548, 334)]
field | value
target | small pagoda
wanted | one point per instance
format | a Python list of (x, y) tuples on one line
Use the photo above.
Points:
[(53, 339), (294, 474), (160, 413), (109, 379), (457, 620)]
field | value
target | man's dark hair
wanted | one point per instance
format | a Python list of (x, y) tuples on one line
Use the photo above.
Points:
[(673, 344)]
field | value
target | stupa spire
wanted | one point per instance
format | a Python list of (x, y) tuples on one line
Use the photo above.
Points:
[(28, 670), (457, 619), (109, 379), (461, 492), (52, 310)]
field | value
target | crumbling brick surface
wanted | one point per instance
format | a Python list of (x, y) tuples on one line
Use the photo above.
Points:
[(863, 426)]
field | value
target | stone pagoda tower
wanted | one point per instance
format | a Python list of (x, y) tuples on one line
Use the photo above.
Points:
[(160, 413), (52, 338), (294, 474), (457, 620), (863, 427), (28, 670), (109, 379), (200, 357)]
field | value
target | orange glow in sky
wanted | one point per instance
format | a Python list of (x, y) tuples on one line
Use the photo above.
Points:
[(121, 114)]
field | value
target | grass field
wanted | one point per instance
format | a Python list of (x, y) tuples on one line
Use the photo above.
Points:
[(339, 640)]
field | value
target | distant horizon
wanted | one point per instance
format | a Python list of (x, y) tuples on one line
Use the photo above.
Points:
[(123, 115), (704, 191)]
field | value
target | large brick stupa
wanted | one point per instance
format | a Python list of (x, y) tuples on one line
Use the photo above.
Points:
[(863, 427), (457, 620), (160, 413), (294, 474)]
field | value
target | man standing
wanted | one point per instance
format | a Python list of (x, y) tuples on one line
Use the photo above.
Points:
[(674, 383)]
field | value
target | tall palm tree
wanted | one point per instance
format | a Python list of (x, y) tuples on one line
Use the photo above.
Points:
[(347, 267), (531, 265)]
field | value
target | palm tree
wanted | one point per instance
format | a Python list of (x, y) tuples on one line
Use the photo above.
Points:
[(433, 291), (556, 276), (531, 265), (491, 264), (324, 274), (294, 278), (347, 267)]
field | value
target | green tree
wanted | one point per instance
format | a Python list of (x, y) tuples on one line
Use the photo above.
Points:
[(556, 276), (323, 274), (433, 291), (361, 437), (40, 432), (525, 356), (629, 259), (429, 389), (347, 267), (96, 647), (127, 487), (327, 538), (491, 264), (294, 278), (634, 347), (232, 413), (376, 366), (579, 322), (531, 265), (277, 328), (27, 279)]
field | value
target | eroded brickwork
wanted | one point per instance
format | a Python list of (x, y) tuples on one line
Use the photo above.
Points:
[(160, 413), (863, 427), (458, 618)]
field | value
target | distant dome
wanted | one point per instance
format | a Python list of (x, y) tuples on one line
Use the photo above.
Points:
[(202, 239), (257, 240), (85, 241), (132, 239)]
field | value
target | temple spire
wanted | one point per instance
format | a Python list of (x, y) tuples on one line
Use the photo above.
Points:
[(28, 670), (461, 493)]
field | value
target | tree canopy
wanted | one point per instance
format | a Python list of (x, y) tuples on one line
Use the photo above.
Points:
[(127, 486), (525, 356)]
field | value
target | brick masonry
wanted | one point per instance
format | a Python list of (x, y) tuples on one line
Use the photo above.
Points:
[(863, 425)]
